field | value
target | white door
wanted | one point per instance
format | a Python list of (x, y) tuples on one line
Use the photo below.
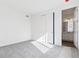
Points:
[(76, 28)]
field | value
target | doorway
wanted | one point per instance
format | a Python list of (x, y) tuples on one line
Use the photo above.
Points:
[(68, 27)]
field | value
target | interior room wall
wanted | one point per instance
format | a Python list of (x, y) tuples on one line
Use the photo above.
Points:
[(58, 27), (14, 27)]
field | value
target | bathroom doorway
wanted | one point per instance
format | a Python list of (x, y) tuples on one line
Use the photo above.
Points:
[(68, 27)]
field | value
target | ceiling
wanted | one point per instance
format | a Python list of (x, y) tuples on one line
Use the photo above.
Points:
[(31, 6)]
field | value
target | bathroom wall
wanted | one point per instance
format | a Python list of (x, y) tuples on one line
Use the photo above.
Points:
[(68, 25)]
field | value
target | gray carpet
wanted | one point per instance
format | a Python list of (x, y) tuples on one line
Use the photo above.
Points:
[(28, 50)]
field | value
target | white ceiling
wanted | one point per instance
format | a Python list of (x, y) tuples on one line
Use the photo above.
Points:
[(32, 6)]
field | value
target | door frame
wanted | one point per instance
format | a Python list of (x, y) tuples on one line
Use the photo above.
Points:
[(62, 24)]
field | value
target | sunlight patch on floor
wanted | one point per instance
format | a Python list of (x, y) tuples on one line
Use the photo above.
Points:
[(43, 47)]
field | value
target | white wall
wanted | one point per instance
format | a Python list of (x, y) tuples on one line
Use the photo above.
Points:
[(14, 27), (58, 27), (42, 27)]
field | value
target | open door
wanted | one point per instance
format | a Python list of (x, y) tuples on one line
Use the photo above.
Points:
[(76, 27), (70, 27)]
